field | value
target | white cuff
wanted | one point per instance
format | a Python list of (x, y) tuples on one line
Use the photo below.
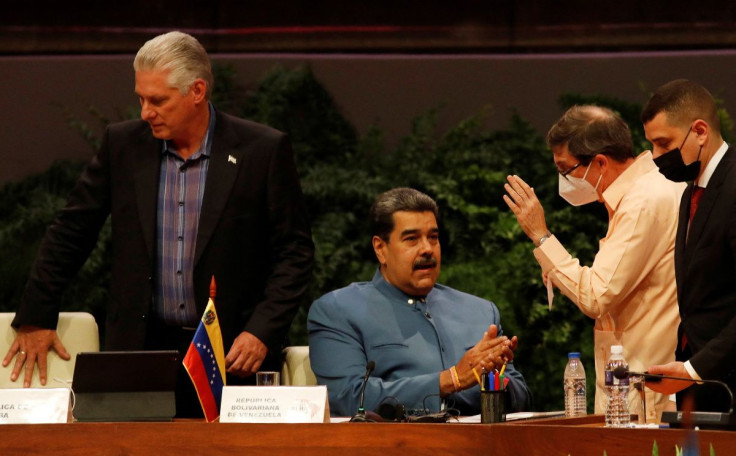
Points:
[(690, 370)]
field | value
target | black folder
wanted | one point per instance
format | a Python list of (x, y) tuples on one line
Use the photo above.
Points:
[(703, 420), (125, 385)]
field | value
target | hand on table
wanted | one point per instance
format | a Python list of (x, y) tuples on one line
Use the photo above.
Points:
[(246, 355), (30, 348)]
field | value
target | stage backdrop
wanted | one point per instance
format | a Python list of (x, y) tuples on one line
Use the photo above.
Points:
[(387, 90)]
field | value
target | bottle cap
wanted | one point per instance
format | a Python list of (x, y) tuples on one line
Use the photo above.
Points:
[(617, 349), (573, 355)]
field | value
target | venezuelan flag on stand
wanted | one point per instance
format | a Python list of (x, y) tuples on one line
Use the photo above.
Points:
[(205, 360)]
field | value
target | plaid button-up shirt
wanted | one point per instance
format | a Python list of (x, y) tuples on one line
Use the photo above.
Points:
[(181, 186)]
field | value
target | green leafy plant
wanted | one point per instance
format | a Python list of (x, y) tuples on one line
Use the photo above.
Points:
[(484, 250)]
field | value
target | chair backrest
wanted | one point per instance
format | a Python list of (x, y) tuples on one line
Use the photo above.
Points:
[(296, 369), (78, 333)]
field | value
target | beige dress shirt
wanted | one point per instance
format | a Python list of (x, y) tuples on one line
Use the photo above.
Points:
[(630, 289)]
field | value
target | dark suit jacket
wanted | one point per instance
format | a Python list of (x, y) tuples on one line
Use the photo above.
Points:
[(705, 268), (253, 236)]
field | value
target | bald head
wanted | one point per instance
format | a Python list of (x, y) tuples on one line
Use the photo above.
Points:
[(591, 130)]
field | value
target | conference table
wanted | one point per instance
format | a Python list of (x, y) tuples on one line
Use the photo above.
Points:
[(544, 437)]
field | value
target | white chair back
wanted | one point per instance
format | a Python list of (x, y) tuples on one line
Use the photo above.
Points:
[(296, 369), (78, 333)]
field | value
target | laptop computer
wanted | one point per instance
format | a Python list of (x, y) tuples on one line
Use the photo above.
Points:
[(125, 385)]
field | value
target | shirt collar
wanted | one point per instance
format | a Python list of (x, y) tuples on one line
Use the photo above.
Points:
[(205, 148), (391, 291), (712, 165), (615, 192)]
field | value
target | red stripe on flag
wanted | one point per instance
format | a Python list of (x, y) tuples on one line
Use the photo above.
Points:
[(196, 370)]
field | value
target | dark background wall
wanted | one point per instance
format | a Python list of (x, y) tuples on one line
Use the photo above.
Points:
[(385, 89), (384, 61), (375, 26)]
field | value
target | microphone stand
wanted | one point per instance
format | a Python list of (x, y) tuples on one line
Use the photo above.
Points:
[(640, 386), (713, 420), (659, 377), (360, 416)]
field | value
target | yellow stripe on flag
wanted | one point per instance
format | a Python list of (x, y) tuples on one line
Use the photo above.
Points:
[(215, 336)]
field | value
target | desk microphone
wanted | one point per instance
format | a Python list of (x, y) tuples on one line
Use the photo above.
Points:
[(360, 417), (621, 372)]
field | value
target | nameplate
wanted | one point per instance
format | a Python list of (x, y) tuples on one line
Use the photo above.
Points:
[(34, 405), (274, 404)]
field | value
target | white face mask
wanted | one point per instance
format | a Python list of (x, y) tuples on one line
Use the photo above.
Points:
[(578, 191)]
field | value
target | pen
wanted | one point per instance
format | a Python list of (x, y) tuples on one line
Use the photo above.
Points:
[(477, 378), (503, 368)]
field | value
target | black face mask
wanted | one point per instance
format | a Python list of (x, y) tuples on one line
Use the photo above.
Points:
[(674, 168)]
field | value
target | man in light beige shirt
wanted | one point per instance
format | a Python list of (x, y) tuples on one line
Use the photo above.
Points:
[(630, 288)]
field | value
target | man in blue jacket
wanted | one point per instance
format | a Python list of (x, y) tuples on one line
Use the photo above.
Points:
[(425, 339)]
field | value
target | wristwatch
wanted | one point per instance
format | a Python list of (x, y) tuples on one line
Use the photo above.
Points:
[(544, 238)]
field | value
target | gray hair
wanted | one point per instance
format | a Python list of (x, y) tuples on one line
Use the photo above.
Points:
[(182, 55), (395, 200)]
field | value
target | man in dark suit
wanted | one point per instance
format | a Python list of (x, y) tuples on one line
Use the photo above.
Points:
[(681, 121), (193, 194)]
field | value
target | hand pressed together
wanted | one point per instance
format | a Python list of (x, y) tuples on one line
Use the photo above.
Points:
[(491, 352)]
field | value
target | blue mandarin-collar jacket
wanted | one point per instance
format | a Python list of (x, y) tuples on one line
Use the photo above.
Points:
[(410, 340)]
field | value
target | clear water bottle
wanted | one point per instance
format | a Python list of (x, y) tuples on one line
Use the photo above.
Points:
[(574, 386), (617, 390)]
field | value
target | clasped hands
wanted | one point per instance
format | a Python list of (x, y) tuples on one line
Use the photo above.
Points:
[(491, 352)]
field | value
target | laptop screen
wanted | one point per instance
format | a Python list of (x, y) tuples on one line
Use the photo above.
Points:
[(125, 371)]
